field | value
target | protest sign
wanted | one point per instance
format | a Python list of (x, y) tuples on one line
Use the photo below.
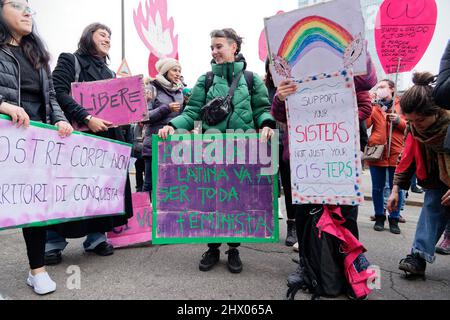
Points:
[(120, 101), (324, 144), (403, 31), (46, 179), (212, 189), (318, 39), (139, 227)]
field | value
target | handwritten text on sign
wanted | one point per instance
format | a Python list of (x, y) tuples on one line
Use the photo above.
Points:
[(324, 141), (120, 101), (45, 177), (404, 30), (139, 227), (202, 203)]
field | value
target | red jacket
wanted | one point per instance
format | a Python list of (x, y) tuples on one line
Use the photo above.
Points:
[(380, 132)]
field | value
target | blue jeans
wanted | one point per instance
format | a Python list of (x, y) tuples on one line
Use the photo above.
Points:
[(378, 175), (431, 224), (56, 242)]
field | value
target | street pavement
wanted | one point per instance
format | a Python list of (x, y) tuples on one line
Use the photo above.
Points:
[(171, 271)]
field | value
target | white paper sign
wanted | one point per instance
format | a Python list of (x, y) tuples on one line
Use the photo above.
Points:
[(45, 179), (324, 143), (317, 39)]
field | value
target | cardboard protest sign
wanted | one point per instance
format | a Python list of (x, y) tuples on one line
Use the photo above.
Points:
[(318, 39), (120, 101), (403, 31), (47, 180), (324, 143), (139, 227), (213, 188)]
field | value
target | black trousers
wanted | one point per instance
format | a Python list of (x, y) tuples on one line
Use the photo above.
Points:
[(140, 169), (350, 213), (35, 242), (217, 245), (285, 174)]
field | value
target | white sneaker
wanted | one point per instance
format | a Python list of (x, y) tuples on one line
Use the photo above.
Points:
[(41, 283), (295, 247)]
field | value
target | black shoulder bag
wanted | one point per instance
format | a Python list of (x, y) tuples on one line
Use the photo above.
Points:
[(216, 110)]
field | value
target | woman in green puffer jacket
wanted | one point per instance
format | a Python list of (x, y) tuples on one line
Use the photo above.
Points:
[(251, 111)]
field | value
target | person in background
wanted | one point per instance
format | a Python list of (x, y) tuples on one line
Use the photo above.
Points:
[(91, 58), (385, 114), (27, 93), (167, 103), (284, 168)]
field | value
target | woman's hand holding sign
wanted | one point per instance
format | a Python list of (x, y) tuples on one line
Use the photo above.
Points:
[(286, 88), (18, 114)]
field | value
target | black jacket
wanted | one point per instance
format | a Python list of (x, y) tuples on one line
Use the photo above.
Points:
[(10, 86), (442, 89)]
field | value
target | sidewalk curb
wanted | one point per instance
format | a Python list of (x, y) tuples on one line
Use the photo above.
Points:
[(413, 203)]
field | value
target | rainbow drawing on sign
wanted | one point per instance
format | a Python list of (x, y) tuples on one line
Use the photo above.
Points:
[(315, 32)]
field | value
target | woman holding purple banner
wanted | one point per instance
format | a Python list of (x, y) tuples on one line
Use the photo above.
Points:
[(88, 63), (27, 93)]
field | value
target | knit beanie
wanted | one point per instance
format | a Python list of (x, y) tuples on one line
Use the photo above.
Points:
[(165, 64)]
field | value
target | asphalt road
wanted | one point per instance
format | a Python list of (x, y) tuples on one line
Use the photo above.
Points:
[(171, 272)]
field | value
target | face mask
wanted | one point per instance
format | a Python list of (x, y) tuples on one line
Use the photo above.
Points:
[(383, 93)]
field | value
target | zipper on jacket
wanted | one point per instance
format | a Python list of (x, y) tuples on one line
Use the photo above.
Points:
[(18, 64)]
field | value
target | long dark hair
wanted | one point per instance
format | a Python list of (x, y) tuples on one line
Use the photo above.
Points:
[(33, 47), (419, 98), (86, 45)]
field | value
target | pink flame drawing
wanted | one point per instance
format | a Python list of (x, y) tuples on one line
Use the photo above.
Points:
[(156, 31)]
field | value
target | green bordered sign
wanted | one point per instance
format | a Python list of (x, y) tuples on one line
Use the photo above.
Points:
[(214, 188)]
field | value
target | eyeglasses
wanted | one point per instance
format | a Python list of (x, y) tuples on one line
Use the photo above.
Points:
[(21, 7)]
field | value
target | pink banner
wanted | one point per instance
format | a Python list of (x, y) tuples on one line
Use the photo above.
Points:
[(139, 227), (46, 179), (404, 29), (120, 101)]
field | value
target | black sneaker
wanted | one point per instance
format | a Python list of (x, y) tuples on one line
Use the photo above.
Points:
[(296, 277), (234, 262), (209, 259), (379, 223), (416, 189), (52, 258), (103, 249), (413, 265), (291, 235), (393, 226)]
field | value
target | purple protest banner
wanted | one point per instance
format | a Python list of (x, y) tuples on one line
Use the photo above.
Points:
[(120, 101), (139, 227), (201, 197), (46, 179)]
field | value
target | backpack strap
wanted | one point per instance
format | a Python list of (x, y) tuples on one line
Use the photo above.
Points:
[(248, 79), (77, 68), (208, 81)]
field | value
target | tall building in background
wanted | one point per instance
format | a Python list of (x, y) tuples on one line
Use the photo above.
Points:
[(369, 9)]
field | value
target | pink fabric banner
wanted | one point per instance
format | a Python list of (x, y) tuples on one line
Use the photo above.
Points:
[(139, 227)]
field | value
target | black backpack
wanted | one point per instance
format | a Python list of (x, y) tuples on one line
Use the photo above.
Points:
[(248, 78), (323, 262)]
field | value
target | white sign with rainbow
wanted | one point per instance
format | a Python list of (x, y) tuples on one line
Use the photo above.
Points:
[(318, 39)]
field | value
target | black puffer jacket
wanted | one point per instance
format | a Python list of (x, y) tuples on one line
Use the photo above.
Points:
[(10, 86), (442, 89)]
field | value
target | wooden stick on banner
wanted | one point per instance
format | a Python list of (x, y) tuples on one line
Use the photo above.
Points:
[(391, 126)]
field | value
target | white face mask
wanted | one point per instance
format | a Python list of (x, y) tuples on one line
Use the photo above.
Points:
[(383, 93)]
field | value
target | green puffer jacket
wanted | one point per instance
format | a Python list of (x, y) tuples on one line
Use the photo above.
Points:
[(249, 112)]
